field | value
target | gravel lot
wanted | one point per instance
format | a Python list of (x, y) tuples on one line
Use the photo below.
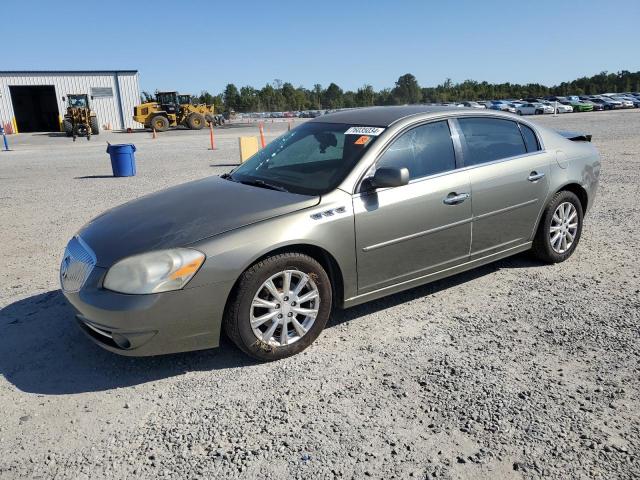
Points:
[(514, 370)]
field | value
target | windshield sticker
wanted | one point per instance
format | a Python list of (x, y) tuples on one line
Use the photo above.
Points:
[(362, 140), (372, 131)]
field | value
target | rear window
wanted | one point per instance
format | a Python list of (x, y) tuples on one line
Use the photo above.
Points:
[(490, 139), (530, 139)]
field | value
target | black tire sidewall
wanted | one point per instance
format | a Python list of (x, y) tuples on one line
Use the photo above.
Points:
[(543, 247), (165, 123), (253, 279)]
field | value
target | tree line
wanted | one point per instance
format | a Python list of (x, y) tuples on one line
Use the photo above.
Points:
[(281, 96)]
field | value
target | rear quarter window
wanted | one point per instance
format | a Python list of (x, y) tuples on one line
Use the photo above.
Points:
[(530, 139), (490, 139)]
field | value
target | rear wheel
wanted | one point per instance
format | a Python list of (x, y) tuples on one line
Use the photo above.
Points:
[(280, 306), (160, 123), (519, 112), (195, 121), (68, 127), (95, 128), (560, 228)]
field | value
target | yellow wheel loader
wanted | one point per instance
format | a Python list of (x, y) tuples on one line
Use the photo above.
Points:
[(172, 110), (79, 120)]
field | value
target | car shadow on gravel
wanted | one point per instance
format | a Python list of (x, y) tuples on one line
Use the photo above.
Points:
[(523, 260), (43, 351)]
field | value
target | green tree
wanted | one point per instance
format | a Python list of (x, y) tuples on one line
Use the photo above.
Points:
[(231, 97), (407, 89), (332, 97)]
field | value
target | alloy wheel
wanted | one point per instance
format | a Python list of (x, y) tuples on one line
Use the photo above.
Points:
[(564, 227), (284, 308)]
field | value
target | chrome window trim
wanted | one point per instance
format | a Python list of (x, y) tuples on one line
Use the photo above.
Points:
[(457, 144)]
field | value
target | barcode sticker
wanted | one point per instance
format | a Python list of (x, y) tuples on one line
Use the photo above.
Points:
[(371, 131)]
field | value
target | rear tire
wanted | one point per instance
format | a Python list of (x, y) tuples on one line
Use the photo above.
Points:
[(244, 306), (160, 123), (67, 127), (95, 128), (545, 246), (195, 121), (519, 112)]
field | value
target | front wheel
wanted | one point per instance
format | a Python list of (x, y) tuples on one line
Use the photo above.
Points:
[(560, 228), (519, 112), (95, 128), (280, 306)]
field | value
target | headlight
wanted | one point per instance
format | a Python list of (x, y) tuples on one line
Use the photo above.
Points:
[(153, 272)]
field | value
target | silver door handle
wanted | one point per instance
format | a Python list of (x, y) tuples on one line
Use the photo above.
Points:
[(455, 198), (533, 176)]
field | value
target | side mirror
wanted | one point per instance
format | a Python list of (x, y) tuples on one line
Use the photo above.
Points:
[(389, 177)]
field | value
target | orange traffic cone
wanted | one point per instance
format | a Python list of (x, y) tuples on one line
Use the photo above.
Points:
[(262, 142)]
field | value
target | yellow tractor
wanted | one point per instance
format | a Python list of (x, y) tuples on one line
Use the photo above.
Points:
[(79, 120), (172, 110)]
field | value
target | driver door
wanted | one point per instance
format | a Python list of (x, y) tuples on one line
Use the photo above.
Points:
[(410, 231)]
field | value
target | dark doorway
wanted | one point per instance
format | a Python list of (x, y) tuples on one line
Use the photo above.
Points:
[(35, 108)]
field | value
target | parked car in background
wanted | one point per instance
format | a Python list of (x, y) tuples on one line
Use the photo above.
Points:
[(472, 105), (530, 109), (500, 105), (550, 107), (634, 100), (596, 106), (328, 215), (606, 102), (578, 105), (562, 107), (626, 102)]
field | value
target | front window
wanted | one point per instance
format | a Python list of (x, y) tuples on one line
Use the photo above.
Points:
[(311, 160), (424, 150)]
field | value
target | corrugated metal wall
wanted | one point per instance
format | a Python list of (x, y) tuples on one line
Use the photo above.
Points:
[(116, 110)]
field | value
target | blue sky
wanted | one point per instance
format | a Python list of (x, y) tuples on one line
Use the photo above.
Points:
[(196, 45)]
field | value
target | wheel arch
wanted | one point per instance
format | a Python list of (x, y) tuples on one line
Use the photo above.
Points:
[(579, 192), (321, 255)]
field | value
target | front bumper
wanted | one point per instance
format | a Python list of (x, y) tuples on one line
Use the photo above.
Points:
[(142, 325)]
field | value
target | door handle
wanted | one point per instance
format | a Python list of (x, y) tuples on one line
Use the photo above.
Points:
[(455, 198), (535, 176)]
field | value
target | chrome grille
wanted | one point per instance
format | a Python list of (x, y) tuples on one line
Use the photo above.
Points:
[(77, 264)]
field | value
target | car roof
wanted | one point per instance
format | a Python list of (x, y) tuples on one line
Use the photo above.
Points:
[(381, 116)]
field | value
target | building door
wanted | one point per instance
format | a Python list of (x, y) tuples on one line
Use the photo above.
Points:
[(35, 108)]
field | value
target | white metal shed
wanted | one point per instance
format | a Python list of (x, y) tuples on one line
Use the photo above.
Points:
[(34, 101)]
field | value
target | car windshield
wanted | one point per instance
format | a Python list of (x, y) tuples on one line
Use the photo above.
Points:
[(311, 160)]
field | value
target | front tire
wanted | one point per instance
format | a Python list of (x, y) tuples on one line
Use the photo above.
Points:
[(95, 128), (195, 121), (560, 228), (280, 306), (160, 123)]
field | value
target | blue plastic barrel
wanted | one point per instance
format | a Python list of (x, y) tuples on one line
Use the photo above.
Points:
[(123, 159)]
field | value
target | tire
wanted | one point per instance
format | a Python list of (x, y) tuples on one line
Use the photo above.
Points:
[(68, 127), (195, 121), (251, 288), (539, 112), (209, 119), (519, 112), (542, 243), (95, 128), (160, 123)]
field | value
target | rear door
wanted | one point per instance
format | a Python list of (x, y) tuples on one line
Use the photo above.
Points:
[(509, 174), (409, 231)]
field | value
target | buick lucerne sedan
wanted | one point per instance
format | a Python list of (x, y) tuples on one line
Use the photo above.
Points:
[(343, 209)]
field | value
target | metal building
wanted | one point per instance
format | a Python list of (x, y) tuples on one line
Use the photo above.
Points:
[(35, 101)]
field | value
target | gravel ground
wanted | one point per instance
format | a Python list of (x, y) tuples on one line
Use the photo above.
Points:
[(513, 370)]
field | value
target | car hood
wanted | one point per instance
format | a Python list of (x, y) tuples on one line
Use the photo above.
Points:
[(184, 214)]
